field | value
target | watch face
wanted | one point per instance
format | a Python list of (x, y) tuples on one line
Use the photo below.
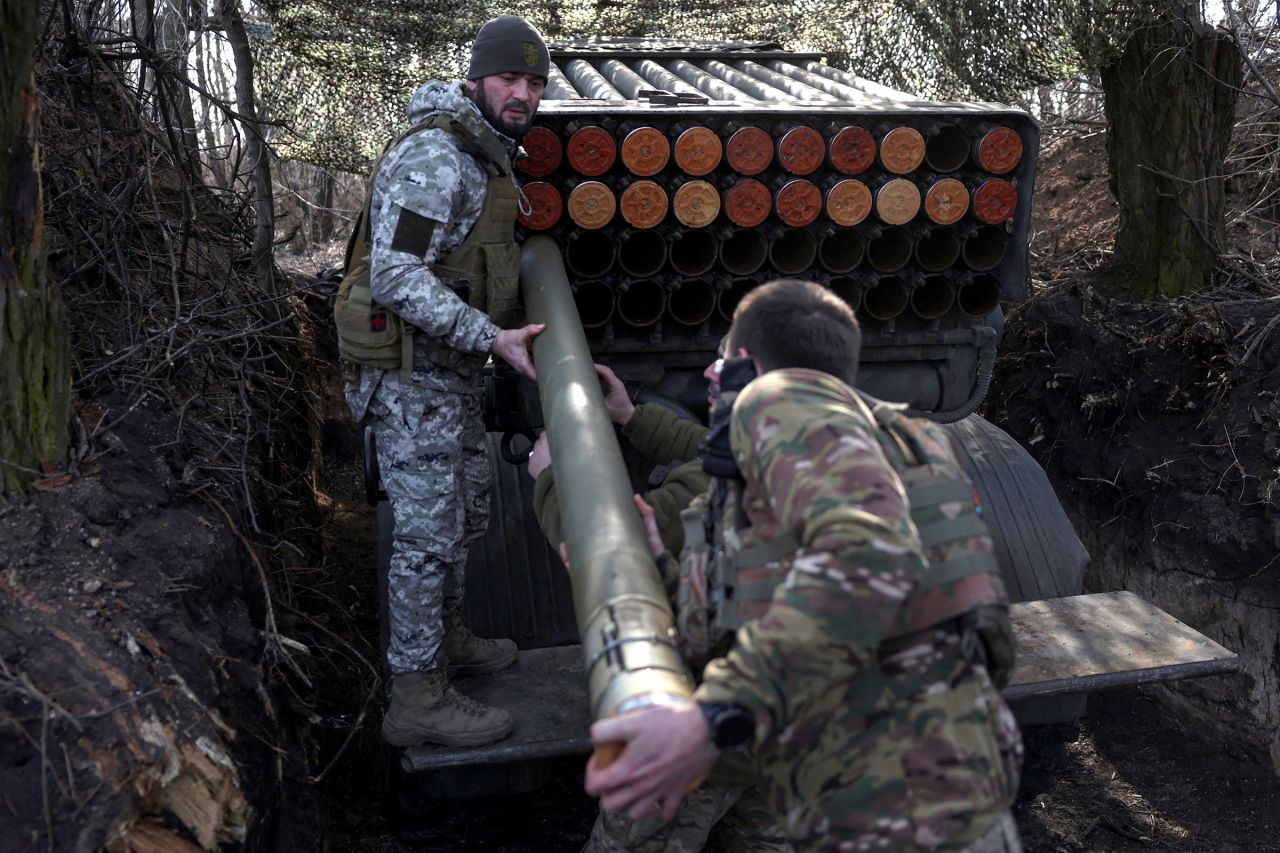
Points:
[(735, 729), (731, 725)]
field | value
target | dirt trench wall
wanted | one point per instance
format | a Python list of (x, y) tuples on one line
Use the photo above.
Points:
[(1246, 705), (1159, 425), (137, 707)]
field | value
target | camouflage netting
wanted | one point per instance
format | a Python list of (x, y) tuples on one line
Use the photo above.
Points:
[(338, 74)]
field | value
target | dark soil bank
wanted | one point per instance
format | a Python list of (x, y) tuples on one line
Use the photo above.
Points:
[(138, 706), (1159, 424)]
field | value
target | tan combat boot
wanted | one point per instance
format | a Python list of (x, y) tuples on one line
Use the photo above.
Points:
[(425, 709), (472, 655)]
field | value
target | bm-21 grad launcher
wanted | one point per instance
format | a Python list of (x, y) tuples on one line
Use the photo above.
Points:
[(671, 177)]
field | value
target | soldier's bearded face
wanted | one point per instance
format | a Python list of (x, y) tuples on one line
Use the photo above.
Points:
[(508, 101)]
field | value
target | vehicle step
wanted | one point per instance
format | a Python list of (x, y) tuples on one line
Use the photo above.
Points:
[(1065, 645)]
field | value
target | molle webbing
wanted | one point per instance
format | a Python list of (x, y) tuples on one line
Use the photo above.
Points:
[(370, 333), (962, 572), (488, 259)]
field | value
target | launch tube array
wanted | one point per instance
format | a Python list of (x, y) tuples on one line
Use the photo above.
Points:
[(672, 217)]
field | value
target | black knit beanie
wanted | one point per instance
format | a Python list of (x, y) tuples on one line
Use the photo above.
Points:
[(508, 44)]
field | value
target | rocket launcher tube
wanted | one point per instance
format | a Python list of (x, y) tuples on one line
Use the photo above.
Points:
[(841, 251), (980, 296), (693, 252), (590, 254), (661, 78), (595, 302), (590, 82), (793, 87), (692, 301), (642, 253), (933, 298), (744, 251), (558, 86), (623, 615), (793, 251), (623, 78), (641, 302)]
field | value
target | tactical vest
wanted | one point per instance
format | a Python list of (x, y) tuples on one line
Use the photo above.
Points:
[(722, 587), (485, 266)]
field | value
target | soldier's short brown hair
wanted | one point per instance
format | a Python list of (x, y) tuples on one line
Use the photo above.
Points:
[(795, 323)]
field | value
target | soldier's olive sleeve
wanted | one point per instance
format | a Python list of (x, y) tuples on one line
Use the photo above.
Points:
[(419, 193), (677, 491), (814, 470), (661, 436)]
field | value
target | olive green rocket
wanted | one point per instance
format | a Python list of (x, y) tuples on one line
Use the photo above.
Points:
[(623, 615)]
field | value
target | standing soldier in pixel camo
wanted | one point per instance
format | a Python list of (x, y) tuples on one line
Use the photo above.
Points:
[(443, 260), (865, 738)]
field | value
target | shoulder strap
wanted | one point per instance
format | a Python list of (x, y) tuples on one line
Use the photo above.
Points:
[(360, 234), (493, 161)]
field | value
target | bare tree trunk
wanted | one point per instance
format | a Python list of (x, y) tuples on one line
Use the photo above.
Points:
[(34, 390), (254, 145), (1045, 96), (213, 148), (1170, 102), (171, 21), (322, 219)]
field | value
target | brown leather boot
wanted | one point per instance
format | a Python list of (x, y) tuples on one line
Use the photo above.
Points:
[(472, 655), (425, 709)]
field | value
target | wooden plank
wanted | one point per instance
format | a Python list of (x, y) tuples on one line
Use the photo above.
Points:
[(1065, 645), (1107, 639)]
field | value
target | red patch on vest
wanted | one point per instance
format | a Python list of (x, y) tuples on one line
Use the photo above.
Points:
[(378, 322)]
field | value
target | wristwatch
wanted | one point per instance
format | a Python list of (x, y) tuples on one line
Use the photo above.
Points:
[(731, 725)]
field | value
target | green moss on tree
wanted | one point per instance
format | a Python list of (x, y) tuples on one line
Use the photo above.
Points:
[(1170, 101), (34, 375)]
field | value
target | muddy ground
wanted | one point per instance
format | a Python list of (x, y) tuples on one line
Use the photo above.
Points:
[(151, 700)]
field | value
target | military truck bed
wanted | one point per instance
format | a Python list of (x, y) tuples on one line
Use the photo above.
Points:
[(1065, 645)]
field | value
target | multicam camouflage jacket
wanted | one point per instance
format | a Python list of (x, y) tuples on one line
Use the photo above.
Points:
[(426, 198), (901, 750)]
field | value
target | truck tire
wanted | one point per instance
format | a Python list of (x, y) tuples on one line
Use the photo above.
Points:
[(1039, 553)]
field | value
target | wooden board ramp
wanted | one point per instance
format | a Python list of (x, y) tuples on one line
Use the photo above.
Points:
[(1065, 645), (1107, 639)]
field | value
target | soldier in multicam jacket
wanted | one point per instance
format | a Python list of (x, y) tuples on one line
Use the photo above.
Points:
[(728, 806), (862, 743), (432, 191)]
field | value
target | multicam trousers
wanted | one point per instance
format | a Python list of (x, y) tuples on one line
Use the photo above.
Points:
[(431, 456), (738, 817), (1002, 837)]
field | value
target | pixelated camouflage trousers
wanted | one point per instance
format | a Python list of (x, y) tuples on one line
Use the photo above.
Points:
[(431, 456), (738, 818)]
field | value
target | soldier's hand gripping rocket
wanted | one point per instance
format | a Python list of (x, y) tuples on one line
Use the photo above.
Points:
[(617, 402), (667, 751), (512, 346)]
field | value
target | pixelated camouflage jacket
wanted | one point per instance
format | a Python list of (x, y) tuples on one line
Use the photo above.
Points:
[(661, 437), (910, 750), (442, 187)]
